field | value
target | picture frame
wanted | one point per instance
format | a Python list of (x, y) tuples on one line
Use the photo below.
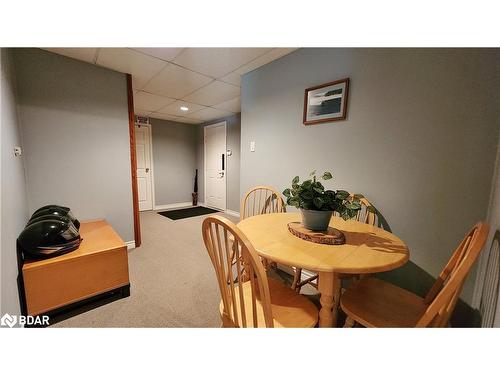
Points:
[(319, 108)]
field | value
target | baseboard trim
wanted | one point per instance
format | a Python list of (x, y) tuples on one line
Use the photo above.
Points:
[(174, 205), (130, 245), (233, 213), (229, 212)]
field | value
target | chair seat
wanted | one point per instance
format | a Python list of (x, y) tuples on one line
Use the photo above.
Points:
[(375, 303), (290, 310)]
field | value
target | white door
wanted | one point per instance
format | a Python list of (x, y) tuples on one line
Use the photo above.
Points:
[(215, 166), (143, 155)]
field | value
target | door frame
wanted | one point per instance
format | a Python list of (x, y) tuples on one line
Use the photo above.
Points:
[(133, 162), (151, 163), (224, 123)]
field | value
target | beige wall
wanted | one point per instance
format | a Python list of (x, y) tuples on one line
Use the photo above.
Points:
[(419, 141), (74, 121), (178, 149), (174, 157), (13, 206)]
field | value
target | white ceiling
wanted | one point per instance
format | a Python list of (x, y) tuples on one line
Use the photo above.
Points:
[(205, 80)]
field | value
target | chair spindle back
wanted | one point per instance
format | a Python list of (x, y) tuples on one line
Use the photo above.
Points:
[(365, 215), (217, 232), (261, 200)]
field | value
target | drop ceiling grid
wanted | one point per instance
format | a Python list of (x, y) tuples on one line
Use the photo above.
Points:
[(218, 107), (210, 94)]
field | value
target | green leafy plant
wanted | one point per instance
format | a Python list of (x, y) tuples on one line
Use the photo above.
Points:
[(312, 195)]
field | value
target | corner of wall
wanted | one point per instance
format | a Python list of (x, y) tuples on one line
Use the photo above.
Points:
[(13, 206)]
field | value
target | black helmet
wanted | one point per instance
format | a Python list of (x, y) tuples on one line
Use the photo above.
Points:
[(51, 216), (53, 209), (50, 237)]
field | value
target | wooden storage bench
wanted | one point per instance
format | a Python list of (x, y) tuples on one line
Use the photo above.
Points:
[(98, 266)]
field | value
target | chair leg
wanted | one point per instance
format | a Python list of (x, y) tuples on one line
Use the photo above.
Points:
[(296, 279), (265, 263), (349, 323), (225, 322)]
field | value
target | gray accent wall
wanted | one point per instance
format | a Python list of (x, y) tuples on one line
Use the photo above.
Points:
[(233, 141), (14, 208), (419, 141), (74, 119), (174, 160)]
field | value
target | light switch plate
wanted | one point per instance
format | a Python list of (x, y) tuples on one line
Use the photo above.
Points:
[(252, 146)]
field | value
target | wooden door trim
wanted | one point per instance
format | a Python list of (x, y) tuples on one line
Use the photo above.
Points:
[(133, 162), (205, 159)]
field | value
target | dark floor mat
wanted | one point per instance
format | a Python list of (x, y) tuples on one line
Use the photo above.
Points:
[(187, 212)]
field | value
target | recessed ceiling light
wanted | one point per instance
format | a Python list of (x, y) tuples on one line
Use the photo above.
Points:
[(183, 108)]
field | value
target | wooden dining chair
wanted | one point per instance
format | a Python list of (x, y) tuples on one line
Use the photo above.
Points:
[(376, 303), (261, 200), (258, 302), (365, 215), (491, 284)]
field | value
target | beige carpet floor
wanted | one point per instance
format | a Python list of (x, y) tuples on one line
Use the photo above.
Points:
[(172, 281)]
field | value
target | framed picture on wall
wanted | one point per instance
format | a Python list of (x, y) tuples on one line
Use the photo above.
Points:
[(326, 102)]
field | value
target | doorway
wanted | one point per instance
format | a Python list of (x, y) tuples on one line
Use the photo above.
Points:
[(215, 165), (143, 150)]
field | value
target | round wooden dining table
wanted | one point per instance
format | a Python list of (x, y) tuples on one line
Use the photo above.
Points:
[(367, 249)]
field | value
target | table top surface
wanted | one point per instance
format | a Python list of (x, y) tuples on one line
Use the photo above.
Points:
[(98, 236), (368, 249)]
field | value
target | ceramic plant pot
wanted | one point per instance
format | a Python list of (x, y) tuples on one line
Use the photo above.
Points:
[(316, 220)]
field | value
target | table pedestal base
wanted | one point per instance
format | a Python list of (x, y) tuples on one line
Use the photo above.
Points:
[(329, 287)]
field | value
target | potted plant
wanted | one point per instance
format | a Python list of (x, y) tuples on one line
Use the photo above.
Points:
[(317, 204)]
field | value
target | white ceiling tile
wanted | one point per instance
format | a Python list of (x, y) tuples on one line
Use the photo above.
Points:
[(208, 114), (272, 55), (136, 85), (163, 116), (214, 93), (232, 105), (217, 62), (151, 102), (141, 112), (189, 120), (126, 60), (233, 78), (167, 54), (174, 109), (176, 82), (84, 54)]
